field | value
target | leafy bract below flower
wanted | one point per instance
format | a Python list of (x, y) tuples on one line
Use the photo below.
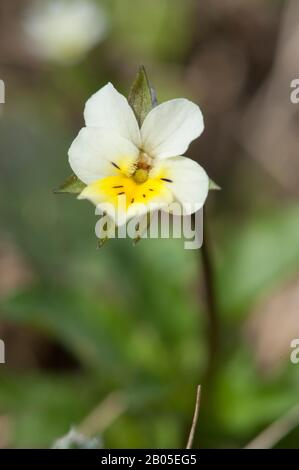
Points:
[(132, 170), (63, 30)]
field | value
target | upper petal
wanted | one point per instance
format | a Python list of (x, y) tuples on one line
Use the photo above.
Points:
[(108, 108), (169, 128), (98, 152), (186, 179)]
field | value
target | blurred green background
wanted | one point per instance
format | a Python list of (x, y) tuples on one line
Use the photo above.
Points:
[(120, 336)]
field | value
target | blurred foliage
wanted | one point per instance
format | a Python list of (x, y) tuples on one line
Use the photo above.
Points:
[(133, 318)]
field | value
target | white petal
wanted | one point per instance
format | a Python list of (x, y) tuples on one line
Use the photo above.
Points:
[(109, 109), (189, 182), (96, 153), (169, 128), (162, 202)]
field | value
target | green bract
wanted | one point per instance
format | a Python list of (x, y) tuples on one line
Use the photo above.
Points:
[(72, 185), (140, 96)]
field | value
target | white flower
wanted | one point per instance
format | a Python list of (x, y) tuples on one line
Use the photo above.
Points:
[(126, 168), (63, 30)]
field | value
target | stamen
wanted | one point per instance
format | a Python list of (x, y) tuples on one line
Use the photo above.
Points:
[(120, 193), (150, 189), (167, 180), (116, 166), (144, 161), (143, 195), (120, 186), (132, 200)]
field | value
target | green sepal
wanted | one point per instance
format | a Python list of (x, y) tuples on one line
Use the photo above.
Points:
[(141, 97), (101, 242), (72, 185), (213, 186)]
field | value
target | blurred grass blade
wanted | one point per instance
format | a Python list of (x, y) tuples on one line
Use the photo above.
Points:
[(71, 185), (141, 96)]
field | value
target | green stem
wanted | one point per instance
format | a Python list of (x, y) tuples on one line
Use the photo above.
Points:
[(213, 325)]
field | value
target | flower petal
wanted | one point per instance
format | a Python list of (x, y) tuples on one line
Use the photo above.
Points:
[(97, 152), (122, 198), (186, 179), (169, 128), (109, 109)]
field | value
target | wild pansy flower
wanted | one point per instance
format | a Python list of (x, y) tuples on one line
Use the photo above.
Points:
[(62, 30), (136, 168)]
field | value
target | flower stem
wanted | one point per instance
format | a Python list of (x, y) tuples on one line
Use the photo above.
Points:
[(195, 419), (211, 302)]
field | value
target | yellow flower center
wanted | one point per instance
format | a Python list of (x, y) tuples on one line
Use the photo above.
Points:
[(112, 188), (133, 187)]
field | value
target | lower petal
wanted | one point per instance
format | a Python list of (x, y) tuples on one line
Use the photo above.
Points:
[(187, 181), (122, 198)]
